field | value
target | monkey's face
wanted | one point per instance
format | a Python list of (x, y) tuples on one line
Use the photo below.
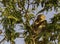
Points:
[(42, 17)]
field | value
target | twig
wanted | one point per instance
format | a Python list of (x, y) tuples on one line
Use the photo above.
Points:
[(27, 7)]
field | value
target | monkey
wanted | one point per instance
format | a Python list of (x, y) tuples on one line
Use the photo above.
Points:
[(39, 24)]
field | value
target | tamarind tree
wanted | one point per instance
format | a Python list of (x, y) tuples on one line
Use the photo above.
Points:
[(22, 12)]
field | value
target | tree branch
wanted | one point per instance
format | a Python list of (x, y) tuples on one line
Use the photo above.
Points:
[(2, 40), (41, 10)]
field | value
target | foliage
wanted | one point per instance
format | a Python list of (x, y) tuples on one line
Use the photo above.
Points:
[(16, 12)]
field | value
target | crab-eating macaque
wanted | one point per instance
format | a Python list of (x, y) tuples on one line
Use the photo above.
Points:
[(39, 24)]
